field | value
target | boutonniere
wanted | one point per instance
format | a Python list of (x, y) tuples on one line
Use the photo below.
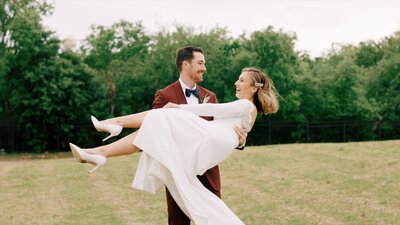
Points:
[(205, 99)]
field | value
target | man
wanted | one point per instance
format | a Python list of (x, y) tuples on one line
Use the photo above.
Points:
[(191, 64)]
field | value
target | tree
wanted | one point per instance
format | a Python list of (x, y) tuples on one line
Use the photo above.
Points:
[(273, 52), (334, 87), (368, 54), (62, 93), (44, 91), (23, 44), (384, 80), (107, 49)]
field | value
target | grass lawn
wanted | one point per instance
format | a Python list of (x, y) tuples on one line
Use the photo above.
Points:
[(304, 184)]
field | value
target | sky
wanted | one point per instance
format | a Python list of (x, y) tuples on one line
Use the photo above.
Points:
[(317, 23)]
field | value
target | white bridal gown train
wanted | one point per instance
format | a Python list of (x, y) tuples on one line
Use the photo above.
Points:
[(178, 145)]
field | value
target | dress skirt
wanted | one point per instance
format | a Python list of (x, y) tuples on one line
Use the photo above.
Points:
[(177, 146)]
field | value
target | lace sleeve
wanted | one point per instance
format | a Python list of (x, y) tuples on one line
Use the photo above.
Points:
[(237, 108)]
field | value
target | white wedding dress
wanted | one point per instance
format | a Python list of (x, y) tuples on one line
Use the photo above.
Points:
[(178, 145)]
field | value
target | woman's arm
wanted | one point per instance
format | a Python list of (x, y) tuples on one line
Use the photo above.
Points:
[(237, 108), (231, 109)]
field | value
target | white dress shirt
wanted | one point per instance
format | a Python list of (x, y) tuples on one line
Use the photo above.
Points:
[(191, 99)]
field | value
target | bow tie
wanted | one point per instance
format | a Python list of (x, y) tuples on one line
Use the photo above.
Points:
[(189, 92)]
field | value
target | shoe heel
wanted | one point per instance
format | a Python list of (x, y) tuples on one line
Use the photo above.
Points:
[(113, 129), (110, 136), (83, 157), (95, 168)]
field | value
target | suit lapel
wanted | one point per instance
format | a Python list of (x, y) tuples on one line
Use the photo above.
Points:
[(181, 99), (201, 94)]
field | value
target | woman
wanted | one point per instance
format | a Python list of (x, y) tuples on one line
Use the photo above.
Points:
[(178, 145)]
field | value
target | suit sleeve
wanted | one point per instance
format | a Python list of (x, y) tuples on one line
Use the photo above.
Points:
[(237, 108), (159, 100)]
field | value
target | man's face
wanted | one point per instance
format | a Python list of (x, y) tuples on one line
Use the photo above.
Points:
[(197, 67)]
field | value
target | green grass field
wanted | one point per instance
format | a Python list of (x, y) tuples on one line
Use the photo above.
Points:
[(305, 184)]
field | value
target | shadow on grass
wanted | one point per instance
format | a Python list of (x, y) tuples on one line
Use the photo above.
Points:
[(29, 156)]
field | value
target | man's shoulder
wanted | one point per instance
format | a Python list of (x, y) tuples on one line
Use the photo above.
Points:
[(170, 87), (166, 94), (208, 92)]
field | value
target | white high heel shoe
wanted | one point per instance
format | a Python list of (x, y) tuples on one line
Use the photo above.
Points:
[(83, 157), (113, 129)]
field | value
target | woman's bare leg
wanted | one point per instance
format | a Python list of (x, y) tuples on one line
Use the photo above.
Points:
[(121, 147), (129, 121)]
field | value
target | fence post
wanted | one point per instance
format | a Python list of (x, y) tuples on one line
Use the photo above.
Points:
[(379, 130), (344, 130), (269, 131), (307, 131), (11, 130), (58, 135)]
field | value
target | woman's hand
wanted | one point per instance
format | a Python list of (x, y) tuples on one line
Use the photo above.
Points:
[(242, 136), (171, 105)]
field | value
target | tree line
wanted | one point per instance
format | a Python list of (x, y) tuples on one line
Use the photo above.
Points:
[(49, 90)]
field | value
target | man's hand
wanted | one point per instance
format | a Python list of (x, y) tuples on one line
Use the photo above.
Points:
[(242, 135)]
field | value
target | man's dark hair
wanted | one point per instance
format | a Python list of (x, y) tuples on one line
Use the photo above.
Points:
[(186, 54)]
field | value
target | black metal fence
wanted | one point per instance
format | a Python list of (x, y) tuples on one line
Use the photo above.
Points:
[(279, 132), (263, 132)]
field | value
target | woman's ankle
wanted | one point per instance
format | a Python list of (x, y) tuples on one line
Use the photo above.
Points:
[(95, 151), (113, 121)]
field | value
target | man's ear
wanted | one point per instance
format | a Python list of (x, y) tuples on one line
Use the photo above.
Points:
[(185, 64)]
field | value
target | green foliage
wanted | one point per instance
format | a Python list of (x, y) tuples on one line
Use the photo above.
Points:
[(48, 93), (113, 52), (62, 92), (369, 54), (273, 52), (384, 84), (43, 90)]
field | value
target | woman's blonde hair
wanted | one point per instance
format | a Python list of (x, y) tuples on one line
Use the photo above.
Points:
[(266, 97)]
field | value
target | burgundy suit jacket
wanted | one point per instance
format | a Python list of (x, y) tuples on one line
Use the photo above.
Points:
[(173, 93)]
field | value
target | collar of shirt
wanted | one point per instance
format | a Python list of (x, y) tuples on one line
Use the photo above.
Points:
[(192, 99)]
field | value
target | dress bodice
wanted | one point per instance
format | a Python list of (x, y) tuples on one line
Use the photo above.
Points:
[(236, 113)]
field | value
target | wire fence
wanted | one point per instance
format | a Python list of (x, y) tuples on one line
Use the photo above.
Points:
[(279, 132), (263, 133)]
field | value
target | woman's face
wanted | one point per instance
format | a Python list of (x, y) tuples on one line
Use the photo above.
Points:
[(244, 87)]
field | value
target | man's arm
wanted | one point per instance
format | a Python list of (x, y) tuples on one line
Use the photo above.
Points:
[(159, 100)]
